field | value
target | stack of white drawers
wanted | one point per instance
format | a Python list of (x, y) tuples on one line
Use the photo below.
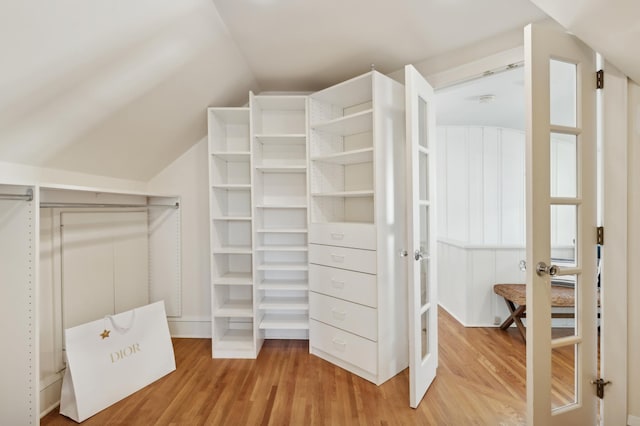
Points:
[(343, 299)]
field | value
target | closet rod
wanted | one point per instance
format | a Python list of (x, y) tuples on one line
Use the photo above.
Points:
[(103, 206), (26, 197)]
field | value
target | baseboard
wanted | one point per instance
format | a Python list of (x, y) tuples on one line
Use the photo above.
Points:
[(190, 327), (633, 420)]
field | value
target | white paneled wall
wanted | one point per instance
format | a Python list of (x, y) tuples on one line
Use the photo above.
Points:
[(481, 185), (481, 216)]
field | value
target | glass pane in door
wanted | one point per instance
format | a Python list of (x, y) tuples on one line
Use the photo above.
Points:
[(424, 176), (423, 123), (564, 224), (563, 157), (563, 93), (563, 376), (424, 262)]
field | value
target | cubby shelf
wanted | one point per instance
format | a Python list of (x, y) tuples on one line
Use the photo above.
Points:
[(284, 285), (234, 278), (234, 308), (285, 322), (345, 194), (352, 124), (283, 267), (233, 156), (282, 230), (282, 248), (364, 155), (282, 206), (232, 186), (283, 139), (282, 169), (285, 303), (233, 218), (236, 339)]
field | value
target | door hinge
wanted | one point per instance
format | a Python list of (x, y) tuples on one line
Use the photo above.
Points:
[(600, 384), (600, 79), (600, 235)]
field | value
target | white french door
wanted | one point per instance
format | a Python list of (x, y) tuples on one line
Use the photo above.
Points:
[(421, 238), (561, 226)]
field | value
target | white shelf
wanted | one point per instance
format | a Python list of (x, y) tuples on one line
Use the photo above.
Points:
[(235, 339), (282, 206), (285, 303), (281, 102), (282, 231), (285, 322), (235, 308), (282, 169), (233, 250), (345, 194), (364, 155), (234, 186), (282, 248), (232, 156), (359, 122), (233, 218), (231, 115), (283, 267), (292, 285), (357, 90), (282, 139), (234, 278)]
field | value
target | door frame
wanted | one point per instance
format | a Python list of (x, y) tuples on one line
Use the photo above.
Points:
[(614, 185)]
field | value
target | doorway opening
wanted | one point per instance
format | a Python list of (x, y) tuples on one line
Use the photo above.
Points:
[(481, 207)]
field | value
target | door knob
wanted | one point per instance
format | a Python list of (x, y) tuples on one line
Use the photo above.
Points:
[(418, 255), (542, 269)]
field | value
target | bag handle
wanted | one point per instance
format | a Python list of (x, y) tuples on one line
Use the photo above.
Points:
[(122, 329)]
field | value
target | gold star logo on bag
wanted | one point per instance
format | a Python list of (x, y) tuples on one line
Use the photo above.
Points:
[(105, 334)]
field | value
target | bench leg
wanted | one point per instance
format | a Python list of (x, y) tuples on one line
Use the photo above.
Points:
[(515, 315)]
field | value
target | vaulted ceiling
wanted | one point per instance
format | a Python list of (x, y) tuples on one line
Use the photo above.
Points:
[(120, 88)]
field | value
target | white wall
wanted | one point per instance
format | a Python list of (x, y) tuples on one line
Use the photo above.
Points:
[(188, 177), (480, 172), (633, 376)]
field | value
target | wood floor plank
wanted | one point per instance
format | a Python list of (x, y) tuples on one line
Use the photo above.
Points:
[(480, 381)]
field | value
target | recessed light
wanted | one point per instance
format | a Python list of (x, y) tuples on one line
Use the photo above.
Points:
[(486, 99)]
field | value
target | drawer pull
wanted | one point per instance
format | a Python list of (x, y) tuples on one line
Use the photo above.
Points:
[(337, 284), (339, 315), (339, 344), (337, 236), (337, 258)]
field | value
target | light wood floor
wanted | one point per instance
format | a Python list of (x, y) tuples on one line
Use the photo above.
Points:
[(481, 381)]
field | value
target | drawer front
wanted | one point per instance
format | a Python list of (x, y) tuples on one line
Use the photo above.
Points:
[(346, 346), (356, 235), (355, 287), (347, 316), (342, 257)]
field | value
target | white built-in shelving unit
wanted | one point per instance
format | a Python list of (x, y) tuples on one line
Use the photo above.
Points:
[(357, 280), (231, 230), (279, 150), (258, 180), (307, 219)]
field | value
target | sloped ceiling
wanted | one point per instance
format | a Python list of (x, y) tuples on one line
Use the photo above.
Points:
[(119, 88), (611, 27), (308, 45), (116, 88)]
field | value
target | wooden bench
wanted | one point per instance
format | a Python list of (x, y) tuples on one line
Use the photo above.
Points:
[(515, 297)]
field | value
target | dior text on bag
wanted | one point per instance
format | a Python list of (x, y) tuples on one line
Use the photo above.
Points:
[(111, 358)]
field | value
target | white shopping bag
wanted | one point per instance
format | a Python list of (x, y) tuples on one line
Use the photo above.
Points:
[(111, 358)]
